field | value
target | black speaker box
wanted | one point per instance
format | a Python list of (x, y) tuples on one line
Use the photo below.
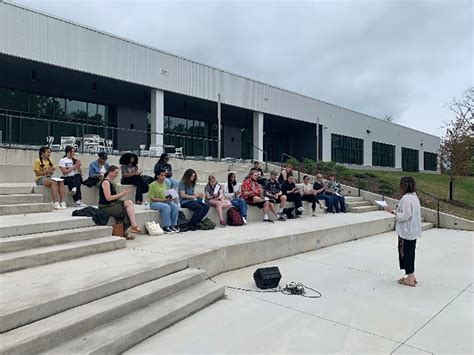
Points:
[(268, 277)]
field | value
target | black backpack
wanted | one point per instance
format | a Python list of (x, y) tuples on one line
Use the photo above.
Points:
[(289, 212), (182, 222)]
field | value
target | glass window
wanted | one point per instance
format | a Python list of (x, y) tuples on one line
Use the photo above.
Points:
[(346, 149), (77, 110), (410, 160), (383, 154), (177, 125), (59, 107), (430, 161)]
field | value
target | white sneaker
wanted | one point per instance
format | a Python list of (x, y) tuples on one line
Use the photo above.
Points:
[(73, 191), (79, 203), (244, 220), (63, 205), (301, 209), (56, 206)]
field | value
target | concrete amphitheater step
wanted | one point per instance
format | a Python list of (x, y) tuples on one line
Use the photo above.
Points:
[(427, 225), (25, 208), (24, 259), (15, 225), (351, 204), (20, 198), (123, 333), (38, 240), (13, 188), (361, 209), (55, 330)]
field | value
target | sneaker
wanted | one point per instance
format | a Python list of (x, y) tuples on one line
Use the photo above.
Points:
[(63, 205), (244, 220), (56, 206), (301, 209), (192, 227), (269, 220), (167, 230), (79, 203), (73, 191), (314, 214), (281, 217), (175, 229)]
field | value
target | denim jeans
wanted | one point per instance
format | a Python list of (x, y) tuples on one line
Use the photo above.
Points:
[(200, 211), (339, 203), (241, 205), (168, 212), (328, 201)]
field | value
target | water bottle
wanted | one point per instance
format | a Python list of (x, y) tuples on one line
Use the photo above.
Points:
[(146, 206)]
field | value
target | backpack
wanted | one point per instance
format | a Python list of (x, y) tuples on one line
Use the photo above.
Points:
[(182, 222), (206, 224), (234, 218), (289, 212)]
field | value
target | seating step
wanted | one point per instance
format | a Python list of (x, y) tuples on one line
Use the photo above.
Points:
[(427, 225), (16, 188), (25, 208), (362, 209), (37, 240), (46, 255), (351, 204), (123, 333), (62, 327), (20, 199)]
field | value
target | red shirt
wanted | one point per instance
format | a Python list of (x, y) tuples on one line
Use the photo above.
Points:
[(250, 185)]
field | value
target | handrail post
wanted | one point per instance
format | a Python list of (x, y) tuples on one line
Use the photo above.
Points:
[(438, 215), (358, 184), (10, 130)]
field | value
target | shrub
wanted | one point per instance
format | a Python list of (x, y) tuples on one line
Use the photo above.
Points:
[(371, 175), (385, 189), (309, 165), (293, 162), (361, 185)]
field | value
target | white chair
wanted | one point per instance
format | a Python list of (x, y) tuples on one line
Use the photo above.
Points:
[(143, 151), (155, 151), (109, 146), (68, 141), (178, 153), (90, 143)]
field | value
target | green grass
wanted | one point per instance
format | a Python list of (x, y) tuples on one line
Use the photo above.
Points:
[(434, 184)]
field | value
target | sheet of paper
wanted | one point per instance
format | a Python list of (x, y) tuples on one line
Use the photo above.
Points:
[(216, 189), (56, 179), (381, 203), (172, 193)]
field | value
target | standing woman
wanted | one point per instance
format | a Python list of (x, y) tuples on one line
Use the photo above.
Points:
[(408, 227), (44, 169), (72, 174), (110, 201), (131, 175), (215, 197), (189, 199), (232, 193)]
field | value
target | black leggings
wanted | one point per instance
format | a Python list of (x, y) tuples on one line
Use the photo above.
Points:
[(406, 255), (296, 199), (74, 181), (312, 199), (139, 183)]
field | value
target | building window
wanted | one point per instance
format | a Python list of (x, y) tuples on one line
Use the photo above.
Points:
[(430, 161), (346, 149), (410, 160), (383, 154)]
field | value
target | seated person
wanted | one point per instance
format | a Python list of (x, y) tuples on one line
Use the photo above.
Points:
[(308, 194), (161, 201), (233, 194), (253, 195), (319, 188), (72, 174), (189, 199), (110, 201), (288, 171), (334, 189), (163, 164), (215, 196), (274, 193), (256, 166), (293, 194), (97, 170), (44, 170), (131, 175)]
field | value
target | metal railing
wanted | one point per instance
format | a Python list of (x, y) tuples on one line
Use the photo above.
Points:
[(438, 201)]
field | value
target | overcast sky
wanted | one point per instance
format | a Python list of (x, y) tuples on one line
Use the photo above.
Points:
[(404, 58)]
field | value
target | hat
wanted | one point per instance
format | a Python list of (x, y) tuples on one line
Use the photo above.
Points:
[(102, 155), (273, 173)]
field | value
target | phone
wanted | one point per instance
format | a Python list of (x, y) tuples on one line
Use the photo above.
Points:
[(169, 197)]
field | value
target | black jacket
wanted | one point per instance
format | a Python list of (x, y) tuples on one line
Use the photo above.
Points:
[(100, 217)]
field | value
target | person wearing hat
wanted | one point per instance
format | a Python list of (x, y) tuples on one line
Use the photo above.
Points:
[(163, 164), (97, 170), (274, 193)]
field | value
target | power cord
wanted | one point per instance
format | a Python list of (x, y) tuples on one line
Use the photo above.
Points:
[(291, 289)]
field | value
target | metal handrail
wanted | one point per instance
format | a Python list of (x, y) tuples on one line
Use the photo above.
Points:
[(265, 154), (438, 200)]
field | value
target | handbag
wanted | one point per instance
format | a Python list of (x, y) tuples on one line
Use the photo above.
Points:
[(153, 228), (117, 229)]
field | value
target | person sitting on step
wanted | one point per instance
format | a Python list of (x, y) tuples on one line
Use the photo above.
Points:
[(131, 175), (287, 171), (274, 193), (44, 170), (253, 195), (334, 189), (233, 194), (160, 200), (215, 196), (191, 200), (319, 188), (110, 201), (308, 194), (72, 174), (163, 164), (97, 170), (293, 194)]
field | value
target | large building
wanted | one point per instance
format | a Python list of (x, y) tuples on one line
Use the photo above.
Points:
[(59, 78)]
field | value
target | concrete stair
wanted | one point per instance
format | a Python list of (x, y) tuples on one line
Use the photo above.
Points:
[(25, 208), (358, 205), (20, 199), (150, 307), (426, 225), (13, 188)]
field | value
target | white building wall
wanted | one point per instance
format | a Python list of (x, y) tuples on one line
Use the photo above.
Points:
[(32, 35)]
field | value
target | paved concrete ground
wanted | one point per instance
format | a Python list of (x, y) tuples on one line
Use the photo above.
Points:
[(363, 309)]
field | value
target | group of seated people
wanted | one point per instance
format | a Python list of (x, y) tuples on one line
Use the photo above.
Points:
[(167, 195)]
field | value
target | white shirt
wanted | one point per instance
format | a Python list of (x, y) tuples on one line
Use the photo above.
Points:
[(408, 217), (102, 170), (68, 163), (229, 195)]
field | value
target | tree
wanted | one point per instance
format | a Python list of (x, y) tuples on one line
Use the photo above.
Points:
[(456, 145)]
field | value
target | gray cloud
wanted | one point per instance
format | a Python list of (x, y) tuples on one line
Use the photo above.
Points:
[(404, 58)]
